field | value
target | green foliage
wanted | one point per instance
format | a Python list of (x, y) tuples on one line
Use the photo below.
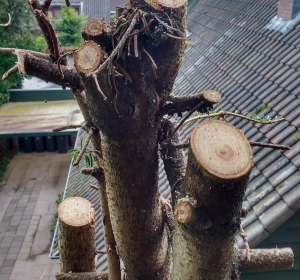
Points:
[(58, 201), (3, 165), (89, 155), (16, 35), (70, 26), (258, 115)]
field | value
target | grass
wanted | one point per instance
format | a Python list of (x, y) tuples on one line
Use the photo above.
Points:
[(58, 201)]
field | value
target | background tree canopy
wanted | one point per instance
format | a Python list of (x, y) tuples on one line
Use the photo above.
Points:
[(18, 34), (70, 26)]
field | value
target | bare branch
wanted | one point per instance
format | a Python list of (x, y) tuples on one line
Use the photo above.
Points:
[(184, 120), (142, 29), (93, 187), (82, 151), (222, 114), (9, 21), (176, 37), (72, 126), (16, 50), (46, 5), (117, 48), (266, 259), (10, 72), (245, 239), (150, 57), (274, 146), (98, 86), (122, 71)]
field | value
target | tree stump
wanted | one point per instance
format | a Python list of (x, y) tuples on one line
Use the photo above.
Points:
[(76, 237), (208, 212)]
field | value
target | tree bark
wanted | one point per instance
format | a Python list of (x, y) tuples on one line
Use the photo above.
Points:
[(208, 211), (82, 276), (76, 237)]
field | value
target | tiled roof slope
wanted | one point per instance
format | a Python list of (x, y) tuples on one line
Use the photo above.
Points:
[(250, 66)]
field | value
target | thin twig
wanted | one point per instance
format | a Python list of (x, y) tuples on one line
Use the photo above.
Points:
[(184, 120), (176, 37), (180, 146), (59, 60), (10, 72), (98, 87), (274, 146), (9, 21), (16, 50), (93, 187), (225, 113), (116, 90), (43, 275), (150, 57), (147, 31), (82, 151), (100, 252), (123, 71), (71, 126), (142, 29), (135, 46), (169, 27), (245, 239), (117, 48), (172, 188)]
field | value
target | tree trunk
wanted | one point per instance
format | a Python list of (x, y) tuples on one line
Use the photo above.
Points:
[(76, 239), (208, 212)]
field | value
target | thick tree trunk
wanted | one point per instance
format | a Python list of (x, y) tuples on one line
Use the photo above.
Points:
[(76, 239), (208, 212)]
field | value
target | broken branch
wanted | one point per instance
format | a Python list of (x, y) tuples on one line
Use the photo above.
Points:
[(222, 114), (10, 72), (176, 37), (71, 126), (117, 48), (98, 86), (266, 145), (245, 239), (93, 187), (82, 151)]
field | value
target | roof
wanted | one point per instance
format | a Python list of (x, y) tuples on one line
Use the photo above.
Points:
[(24, 118), (232, 52)]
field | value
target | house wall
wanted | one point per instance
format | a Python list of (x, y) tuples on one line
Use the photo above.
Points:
[(287, 235)]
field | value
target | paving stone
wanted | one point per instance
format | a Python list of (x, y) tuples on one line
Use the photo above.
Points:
[(23, 256), (6, 276), (12, 256), (13, 250), (18, 238), (9, 263), (24, 250), (16, 244)]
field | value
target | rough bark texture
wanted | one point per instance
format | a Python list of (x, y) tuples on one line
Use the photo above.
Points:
[(266, 259), (82, 276), (76, 238), (216, 178)]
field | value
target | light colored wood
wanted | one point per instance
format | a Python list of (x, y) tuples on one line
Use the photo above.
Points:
[(212, 96), (87, 57), (221, 149), (184, 211), (94, 27), (158, 4)]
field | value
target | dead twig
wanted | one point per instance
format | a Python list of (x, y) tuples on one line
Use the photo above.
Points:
[(117, 48), (9, 21), (59, 60), (184, 120), (82, 151), (71, 126), (274, 146), (172, 188), (222, 114), (93, 187), (245, 239), (150, 57), (86, 171), (135, 46), (142, 29), (10, 72), (98, 87), (170, 27), (43, 275), (16, 50), (100, 252), (122, 70), (176, 37)]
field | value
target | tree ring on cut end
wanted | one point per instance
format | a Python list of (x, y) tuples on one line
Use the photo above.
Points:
[(94, 27), (221, 149), (212, 96), (87, 57), (76, 211)]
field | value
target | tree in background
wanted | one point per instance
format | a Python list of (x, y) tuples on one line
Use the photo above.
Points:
[(70, 26), (17, 34)]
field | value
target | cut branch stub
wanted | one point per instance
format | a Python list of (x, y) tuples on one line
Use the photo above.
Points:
[(156, 4), (87, 57), (212, 96), (76, 237), (93, 28), (226, 154), (184, 211)]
